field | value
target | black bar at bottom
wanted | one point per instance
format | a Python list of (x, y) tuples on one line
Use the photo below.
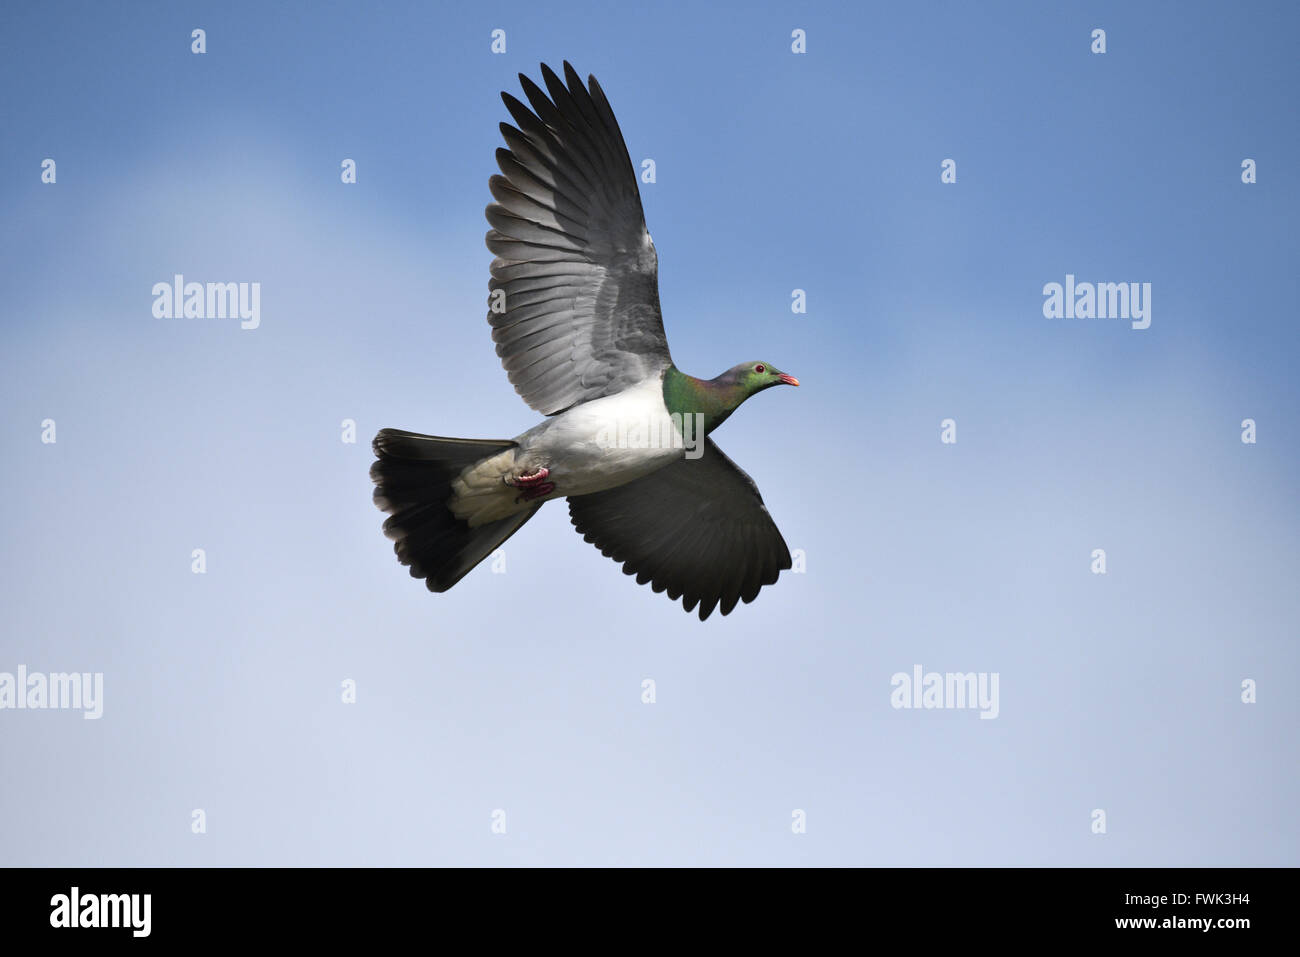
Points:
[(333, 906)]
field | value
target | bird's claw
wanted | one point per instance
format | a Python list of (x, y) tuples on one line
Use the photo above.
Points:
[(533, 486), (529, 481)]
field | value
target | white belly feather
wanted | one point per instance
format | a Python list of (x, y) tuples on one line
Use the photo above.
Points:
[(609, 442), (598, 445)]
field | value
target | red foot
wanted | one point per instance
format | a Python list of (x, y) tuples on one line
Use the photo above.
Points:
[(534, 486), (527, 481)]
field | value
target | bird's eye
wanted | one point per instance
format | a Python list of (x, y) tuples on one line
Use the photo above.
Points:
[(759, 368)]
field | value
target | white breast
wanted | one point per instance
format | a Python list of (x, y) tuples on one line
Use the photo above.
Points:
[(608, 442)]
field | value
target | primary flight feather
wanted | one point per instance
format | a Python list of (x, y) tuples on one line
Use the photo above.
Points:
[(574, 309)]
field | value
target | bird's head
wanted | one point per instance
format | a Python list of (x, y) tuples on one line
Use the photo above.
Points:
[(718, 397), (751, 377)]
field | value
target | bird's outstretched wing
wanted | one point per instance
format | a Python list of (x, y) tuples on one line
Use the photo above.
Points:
[(697, 529), (574, 302)]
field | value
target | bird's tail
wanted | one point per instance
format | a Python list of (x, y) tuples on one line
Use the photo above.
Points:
[(413, 478)]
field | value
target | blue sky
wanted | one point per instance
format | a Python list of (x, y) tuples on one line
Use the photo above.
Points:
[(522, 691)]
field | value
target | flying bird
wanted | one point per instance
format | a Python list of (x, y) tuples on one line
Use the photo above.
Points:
[(574, 310)]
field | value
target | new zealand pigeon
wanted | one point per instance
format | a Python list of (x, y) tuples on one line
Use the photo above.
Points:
[(574, 309)]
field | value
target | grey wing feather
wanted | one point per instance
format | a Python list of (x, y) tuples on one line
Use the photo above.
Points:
[(575, 288), (697, 529)]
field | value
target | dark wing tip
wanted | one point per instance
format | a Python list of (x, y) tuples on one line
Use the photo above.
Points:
[(572, 79), (514, 104), (531, 90)]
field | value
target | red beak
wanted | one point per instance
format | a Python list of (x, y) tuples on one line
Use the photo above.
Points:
[(788, 379)]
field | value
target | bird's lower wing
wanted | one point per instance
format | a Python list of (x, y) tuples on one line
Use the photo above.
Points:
[(697, 529)]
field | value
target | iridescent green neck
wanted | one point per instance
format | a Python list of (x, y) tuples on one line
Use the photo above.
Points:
[(686, 395)]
